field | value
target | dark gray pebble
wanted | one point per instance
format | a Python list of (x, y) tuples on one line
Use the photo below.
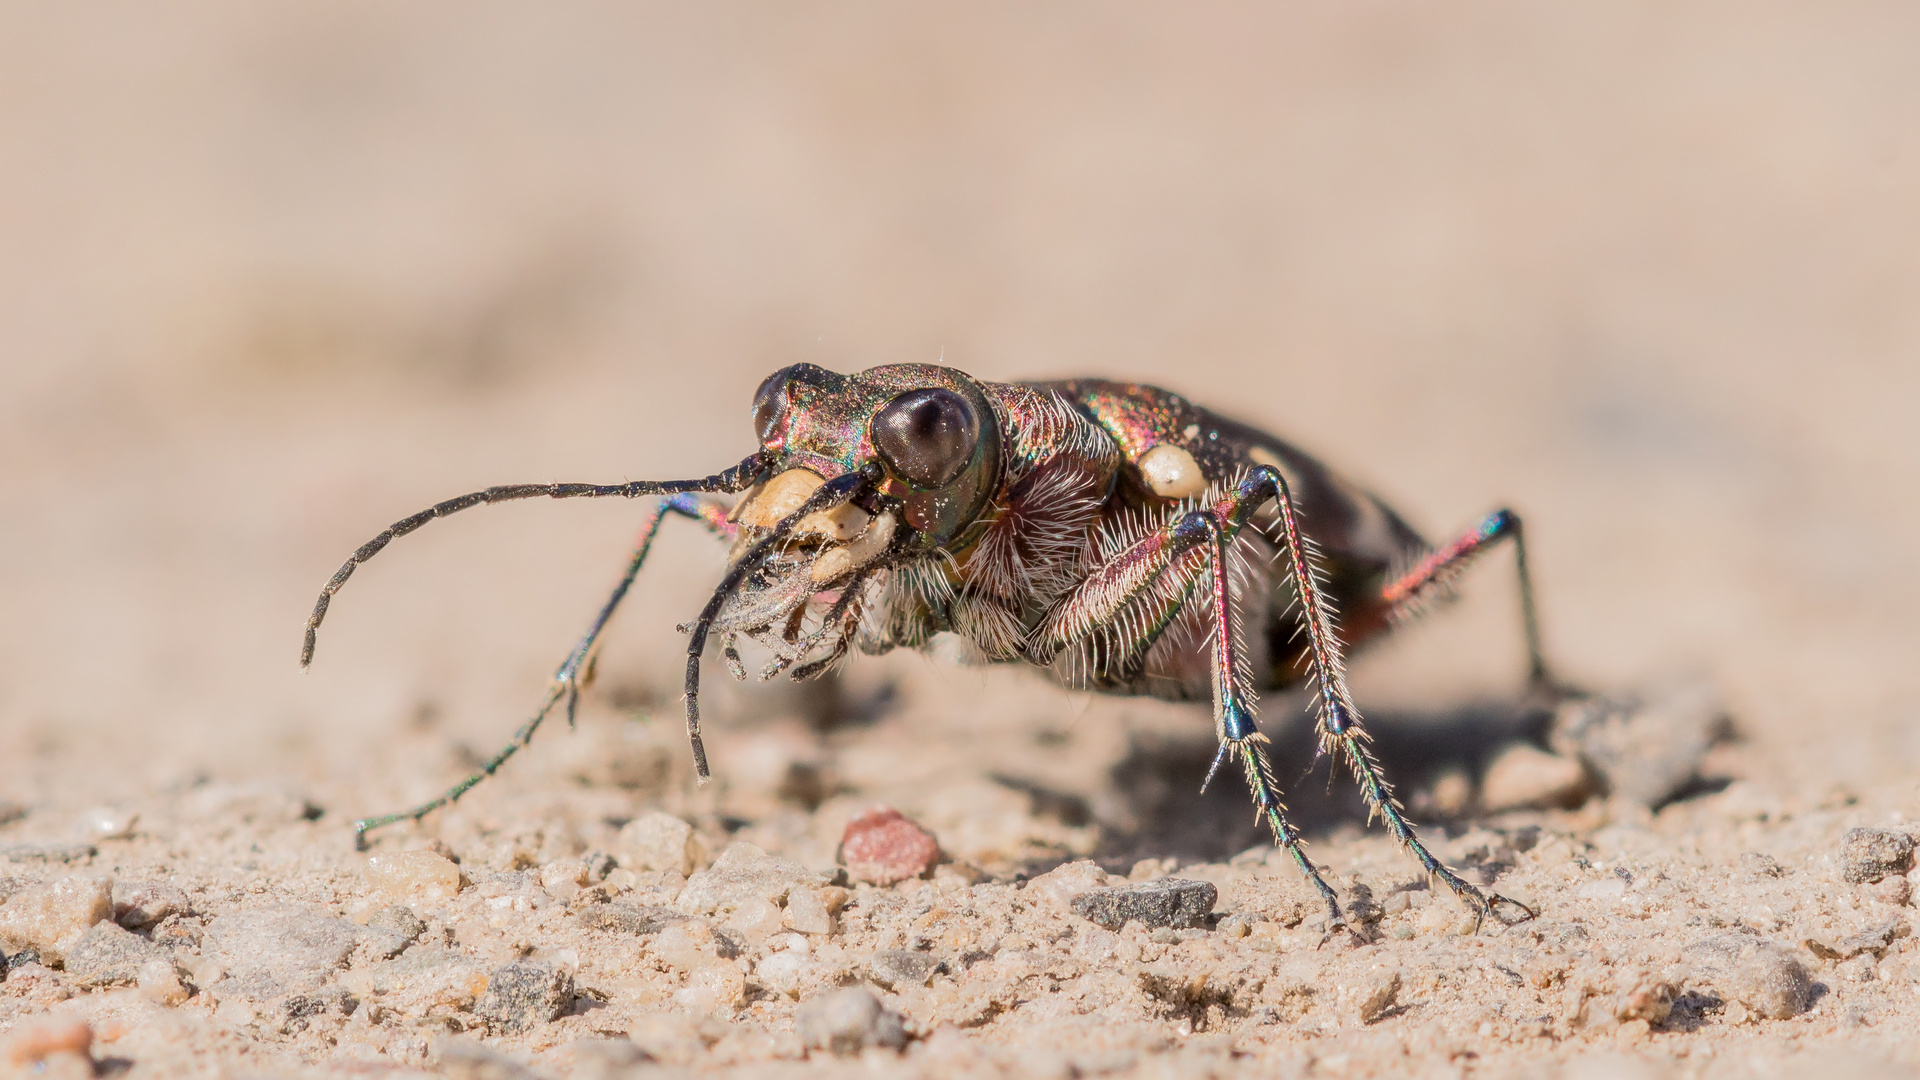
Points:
[(1867, 855), (1167, 902), (525, 994), (108, 955), (627, 919)]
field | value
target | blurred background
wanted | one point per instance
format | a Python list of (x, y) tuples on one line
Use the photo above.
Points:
[(272, 276)]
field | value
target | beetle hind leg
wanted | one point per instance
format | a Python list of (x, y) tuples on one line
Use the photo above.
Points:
[(1407, 595)]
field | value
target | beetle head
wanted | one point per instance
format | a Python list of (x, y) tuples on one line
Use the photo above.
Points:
[(930, 430)]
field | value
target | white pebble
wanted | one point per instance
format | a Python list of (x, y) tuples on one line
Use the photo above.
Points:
[(1524, 776), (53, 915), (419, 879), (107, 823), (659, 841)]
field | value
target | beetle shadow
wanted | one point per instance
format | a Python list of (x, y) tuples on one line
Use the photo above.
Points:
[(1159, 780)]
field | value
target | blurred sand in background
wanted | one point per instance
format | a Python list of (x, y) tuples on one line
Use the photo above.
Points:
[(272, 276)]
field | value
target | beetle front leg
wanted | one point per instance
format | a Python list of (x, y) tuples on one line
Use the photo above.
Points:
[(1162, 563), (575, 671)]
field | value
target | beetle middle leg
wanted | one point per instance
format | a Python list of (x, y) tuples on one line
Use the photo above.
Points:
[(1161, 569), (576, 670), (1159, 561), (1339, 721)]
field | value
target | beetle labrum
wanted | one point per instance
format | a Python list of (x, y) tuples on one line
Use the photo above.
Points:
[(1113, 534)]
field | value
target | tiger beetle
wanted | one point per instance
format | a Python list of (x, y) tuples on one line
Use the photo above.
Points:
[(1115, 535)]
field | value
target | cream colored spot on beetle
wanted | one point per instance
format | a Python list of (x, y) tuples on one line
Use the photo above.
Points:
[(867, 547), (843, 522), (765, 506), (770, 503), (1171, 472)]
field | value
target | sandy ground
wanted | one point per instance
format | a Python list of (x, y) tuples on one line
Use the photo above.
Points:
[(270, 279)]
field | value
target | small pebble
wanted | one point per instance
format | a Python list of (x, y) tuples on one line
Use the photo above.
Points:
[(1646, 751), (11, 811), (845, 1022), (398, 919), (1166, 902), (106, 823), (391, 929), (691, 944), (525, 994), (659, 841), (1059, 886), (1646, 996), (785, 972), (272, 951), (1760, 864), (35, 1042), (563, 878), (742, 875), (1524, 776), (1772, 982), (898, 969), (882, 846), (1874, 940), (160, 983), (1891, 890), (140, 904), (627, 919), (713, 987), (1867, 855), (421, 879), (42, 916), (1381, 994), (812, 911), (107, 955), (756, 919)]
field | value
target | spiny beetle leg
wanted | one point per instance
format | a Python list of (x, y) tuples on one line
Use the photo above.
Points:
[(1406, 594), (568, 678), (1133, 574), (1339, 719), (1239, 736)]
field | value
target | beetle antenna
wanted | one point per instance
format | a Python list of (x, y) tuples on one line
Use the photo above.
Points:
[(834, 492), (738, 478)]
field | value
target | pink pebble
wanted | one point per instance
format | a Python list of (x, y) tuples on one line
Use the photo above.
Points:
[(882, 847)]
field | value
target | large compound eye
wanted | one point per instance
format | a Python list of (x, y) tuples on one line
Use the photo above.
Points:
[(770, 408), (927, 436)]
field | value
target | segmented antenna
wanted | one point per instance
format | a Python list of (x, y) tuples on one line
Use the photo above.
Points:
[(738, 478)]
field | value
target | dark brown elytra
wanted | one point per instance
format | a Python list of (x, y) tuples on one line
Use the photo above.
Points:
[(1115, 535)]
